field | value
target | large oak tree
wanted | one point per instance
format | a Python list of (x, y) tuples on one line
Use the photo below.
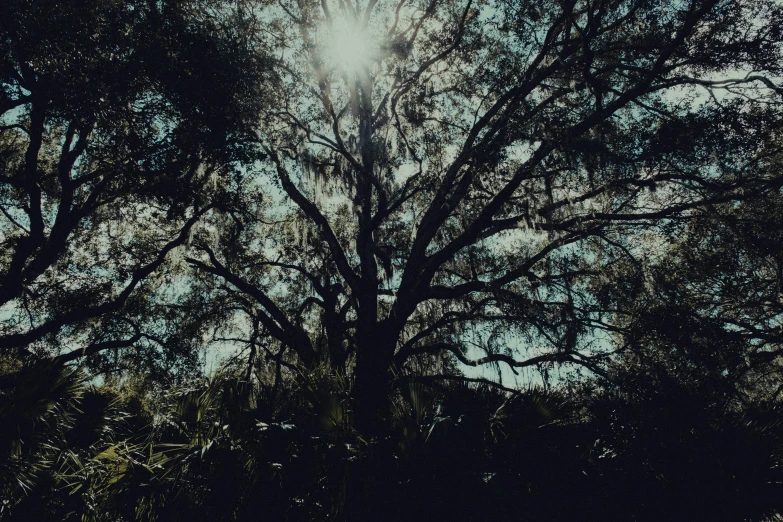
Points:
[(458, 180)]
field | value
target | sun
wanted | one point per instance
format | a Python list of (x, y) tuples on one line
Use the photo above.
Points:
[(350, 46)]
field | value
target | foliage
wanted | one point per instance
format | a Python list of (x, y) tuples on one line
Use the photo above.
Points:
[(123, 125), (472, 452), (367, 208)]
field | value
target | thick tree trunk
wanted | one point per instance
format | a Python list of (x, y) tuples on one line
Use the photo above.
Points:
[(375, 348), (372, 390)]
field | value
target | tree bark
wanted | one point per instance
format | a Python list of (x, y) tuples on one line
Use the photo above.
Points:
[(373, 384)]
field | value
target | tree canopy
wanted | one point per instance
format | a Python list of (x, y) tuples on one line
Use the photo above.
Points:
[(118, 119)]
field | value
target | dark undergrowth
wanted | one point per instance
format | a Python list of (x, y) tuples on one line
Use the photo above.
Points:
[(223, 449)]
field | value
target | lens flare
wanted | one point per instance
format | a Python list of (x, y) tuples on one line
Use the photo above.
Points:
[(350, 46)]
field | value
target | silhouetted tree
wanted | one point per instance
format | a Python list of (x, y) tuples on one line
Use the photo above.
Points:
[(123, 124), (459, 179)]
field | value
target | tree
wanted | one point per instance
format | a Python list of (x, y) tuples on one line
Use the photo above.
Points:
[(122, 127), (714, 303), (460, 179)]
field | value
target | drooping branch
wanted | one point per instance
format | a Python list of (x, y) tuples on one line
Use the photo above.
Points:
[(523, 270), (94, 348), (513, 364)]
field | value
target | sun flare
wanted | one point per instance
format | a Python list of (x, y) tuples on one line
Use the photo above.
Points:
[(350, 46)]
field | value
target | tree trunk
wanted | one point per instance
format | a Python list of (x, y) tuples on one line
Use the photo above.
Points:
[(372, 390)]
